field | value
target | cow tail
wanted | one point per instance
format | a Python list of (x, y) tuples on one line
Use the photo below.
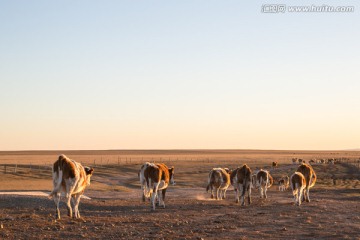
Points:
[(57, 179), (245, 184), (210, 180), (148, 189), (293, 186)]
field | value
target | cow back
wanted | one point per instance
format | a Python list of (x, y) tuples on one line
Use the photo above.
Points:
[(244, 174)]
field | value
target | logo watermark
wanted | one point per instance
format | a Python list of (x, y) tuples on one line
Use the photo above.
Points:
[(283, 8)]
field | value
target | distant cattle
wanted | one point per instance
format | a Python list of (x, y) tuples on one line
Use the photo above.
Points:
[(218, 181), (242, 180), (262, 180), (294, 160), (157, 177), (274, 164), (72, 178), (284, 183), (310, 178), (311, 161), (298, 185)]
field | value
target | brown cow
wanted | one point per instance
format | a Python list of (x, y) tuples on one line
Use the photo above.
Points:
[(219, 180), (157, 177), (310, 178), (72, 178), (274, 164), (298, 185), (243, 181)]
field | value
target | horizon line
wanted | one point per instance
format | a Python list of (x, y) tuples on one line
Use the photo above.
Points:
[(180, 149)]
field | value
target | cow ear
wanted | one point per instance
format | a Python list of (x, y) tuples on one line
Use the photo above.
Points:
[(89, 171), (172, 169)]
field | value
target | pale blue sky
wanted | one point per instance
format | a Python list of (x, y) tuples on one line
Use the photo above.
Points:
[(177, 74)]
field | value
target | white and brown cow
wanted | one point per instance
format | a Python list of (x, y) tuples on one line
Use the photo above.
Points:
[(157, 177), (243, 183), (262, 180), (284, 183), (310, 178), (72, 178), (298, 185), (219, 180)]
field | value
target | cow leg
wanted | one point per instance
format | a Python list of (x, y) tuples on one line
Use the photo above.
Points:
[(159, 198), (261, 191), (57, 203), (154, 195), (265, 189), (143, 193), (163, 197), (238, 193), (211, 191), (295, 193), (249, 194), (242, 194), (307, 198), (76, 201), (224, 195), (299, 196), (68, 204)]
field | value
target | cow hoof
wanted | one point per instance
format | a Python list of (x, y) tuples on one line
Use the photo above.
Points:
[(236, 201)]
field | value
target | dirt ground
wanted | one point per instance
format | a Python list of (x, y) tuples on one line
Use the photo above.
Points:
[(115, 210)]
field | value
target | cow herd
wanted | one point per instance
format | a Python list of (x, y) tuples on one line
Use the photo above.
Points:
[(72, 178), (243, 181)]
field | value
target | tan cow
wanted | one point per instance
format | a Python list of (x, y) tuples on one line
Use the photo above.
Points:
[(262, 180), (157, 177), (310, 178), (284, 183), (72, 178), (219, 180), (298, 185), (243, 181)]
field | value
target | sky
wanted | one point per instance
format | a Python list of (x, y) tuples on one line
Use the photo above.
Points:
[(178, 74)]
